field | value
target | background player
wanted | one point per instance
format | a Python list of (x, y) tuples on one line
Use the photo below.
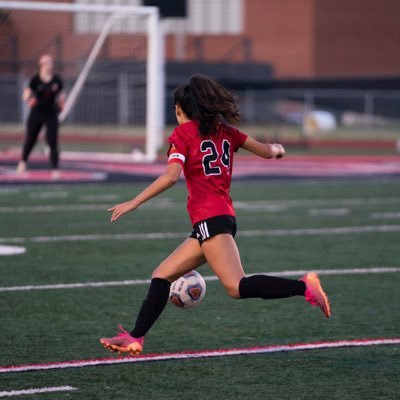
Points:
[(45, 97), (203, 146)]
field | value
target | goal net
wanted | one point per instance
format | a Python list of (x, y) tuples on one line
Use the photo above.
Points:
[(110, 59)]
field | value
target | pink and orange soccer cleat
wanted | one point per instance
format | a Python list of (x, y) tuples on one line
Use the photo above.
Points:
[(124, 343), (314, 293)]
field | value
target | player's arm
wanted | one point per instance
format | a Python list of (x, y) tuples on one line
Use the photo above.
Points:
[(162, 183), (61, 98), (264, 150), (29, 97)]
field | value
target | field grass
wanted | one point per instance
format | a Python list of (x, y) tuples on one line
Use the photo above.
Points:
[(41, 326)]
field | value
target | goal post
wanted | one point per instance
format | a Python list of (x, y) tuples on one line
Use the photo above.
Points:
[(102, 22)]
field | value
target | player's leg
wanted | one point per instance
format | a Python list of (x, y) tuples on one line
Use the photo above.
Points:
[(185, 258), (52, 139), (223, 256), (34, 124)]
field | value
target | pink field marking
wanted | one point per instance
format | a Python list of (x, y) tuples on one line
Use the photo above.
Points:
[(291, 166), (201, 354)]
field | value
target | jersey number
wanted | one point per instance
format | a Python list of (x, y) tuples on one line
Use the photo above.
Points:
[(209, 147)]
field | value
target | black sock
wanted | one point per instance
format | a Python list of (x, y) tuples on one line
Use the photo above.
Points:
[(270, 287), (152, 306)]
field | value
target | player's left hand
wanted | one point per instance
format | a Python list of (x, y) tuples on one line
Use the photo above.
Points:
[(121, 209)]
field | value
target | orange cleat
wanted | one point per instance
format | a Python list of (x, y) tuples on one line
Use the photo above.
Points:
[(314, 293), (124, 343)]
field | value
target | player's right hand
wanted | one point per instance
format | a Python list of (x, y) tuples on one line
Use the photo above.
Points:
[(31, 102), (121, 209), (279, 150)]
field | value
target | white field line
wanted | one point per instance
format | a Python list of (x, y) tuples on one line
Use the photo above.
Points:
[(385, 215), (354, 201), (328, 212), (48, 195), (176, 235), (137, 282), (100, 197), (321, 231), (202, 354), (159, 204), (54, 208), (11, 250), (9, 190), (165, 203), (37, 391)]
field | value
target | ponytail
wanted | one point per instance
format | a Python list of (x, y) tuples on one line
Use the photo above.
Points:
[(208, 103)]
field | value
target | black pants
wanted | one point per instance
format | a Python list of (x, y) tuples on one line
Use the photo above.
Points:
[(36, 120)]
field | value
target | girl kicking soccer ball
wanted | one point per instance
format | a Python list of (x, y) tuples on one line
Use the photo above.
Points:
[(202, 146)]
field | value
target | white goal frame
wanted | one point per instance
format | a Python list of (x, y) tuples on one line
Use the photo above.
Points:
[(155, 91)]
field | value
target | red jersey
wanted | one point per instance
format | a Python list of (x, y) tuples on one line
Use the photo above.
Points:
[(207, 165)]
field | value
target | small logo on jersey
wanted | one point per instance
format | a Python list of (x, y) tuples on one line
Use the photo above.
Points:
[(54, 87)]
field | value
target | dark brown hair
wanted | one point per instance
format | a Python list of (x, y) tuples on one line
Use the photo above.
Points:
[(208, 103)]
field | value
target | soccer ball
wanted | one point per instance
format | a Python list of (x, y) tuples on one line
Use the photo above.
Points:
[(188, 291)]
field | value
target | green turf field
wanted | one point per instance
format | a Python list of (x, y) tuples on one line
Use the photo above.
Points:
[(283, 226)]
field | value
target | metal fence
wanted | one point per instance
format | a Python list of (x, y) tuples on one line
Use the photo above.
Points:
[(119, 99)]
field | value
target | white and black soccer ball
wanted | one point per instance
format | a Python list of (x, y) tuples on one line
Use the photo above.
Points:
[(188, 291)]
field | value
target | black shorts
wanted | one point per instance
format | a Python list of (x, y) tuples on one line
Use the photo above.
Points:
[(214, 226)]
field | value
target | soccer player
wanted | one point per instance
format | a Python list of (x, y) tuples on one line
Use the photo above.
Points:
[(203, 146), (45, 97)]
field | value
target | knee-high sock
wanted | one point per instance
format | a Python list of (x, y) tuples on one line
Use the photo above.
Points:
[(152, 306), (270, 287)]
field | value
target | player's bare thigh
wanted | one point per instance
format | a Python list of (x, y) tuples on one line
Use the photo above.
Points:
[(186, 257), (223, 257)]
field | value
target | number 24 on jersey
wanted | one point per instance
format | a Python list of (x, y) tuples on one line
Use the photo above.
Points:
[(210, 159)]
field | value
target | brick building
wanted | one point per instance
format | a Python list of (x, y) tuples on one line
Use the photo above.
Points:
[(250, 45), (307, 38)]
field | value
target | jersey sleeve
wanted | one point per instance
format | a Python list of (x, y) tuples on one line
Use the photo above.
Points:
[(178, 148), (238, 139)]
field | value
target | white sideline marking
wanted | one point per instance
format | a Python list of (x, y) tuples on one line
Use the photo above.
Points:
[(202, 354), (9, 190), (349, 201), (316, 212), (100, 197), (48, 195), (385, 215), (11, 250), (162, 203), (36, 391), (54, 208), (321, 231), (260, 206), (158, 203), (137, 282), (176, 235)]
